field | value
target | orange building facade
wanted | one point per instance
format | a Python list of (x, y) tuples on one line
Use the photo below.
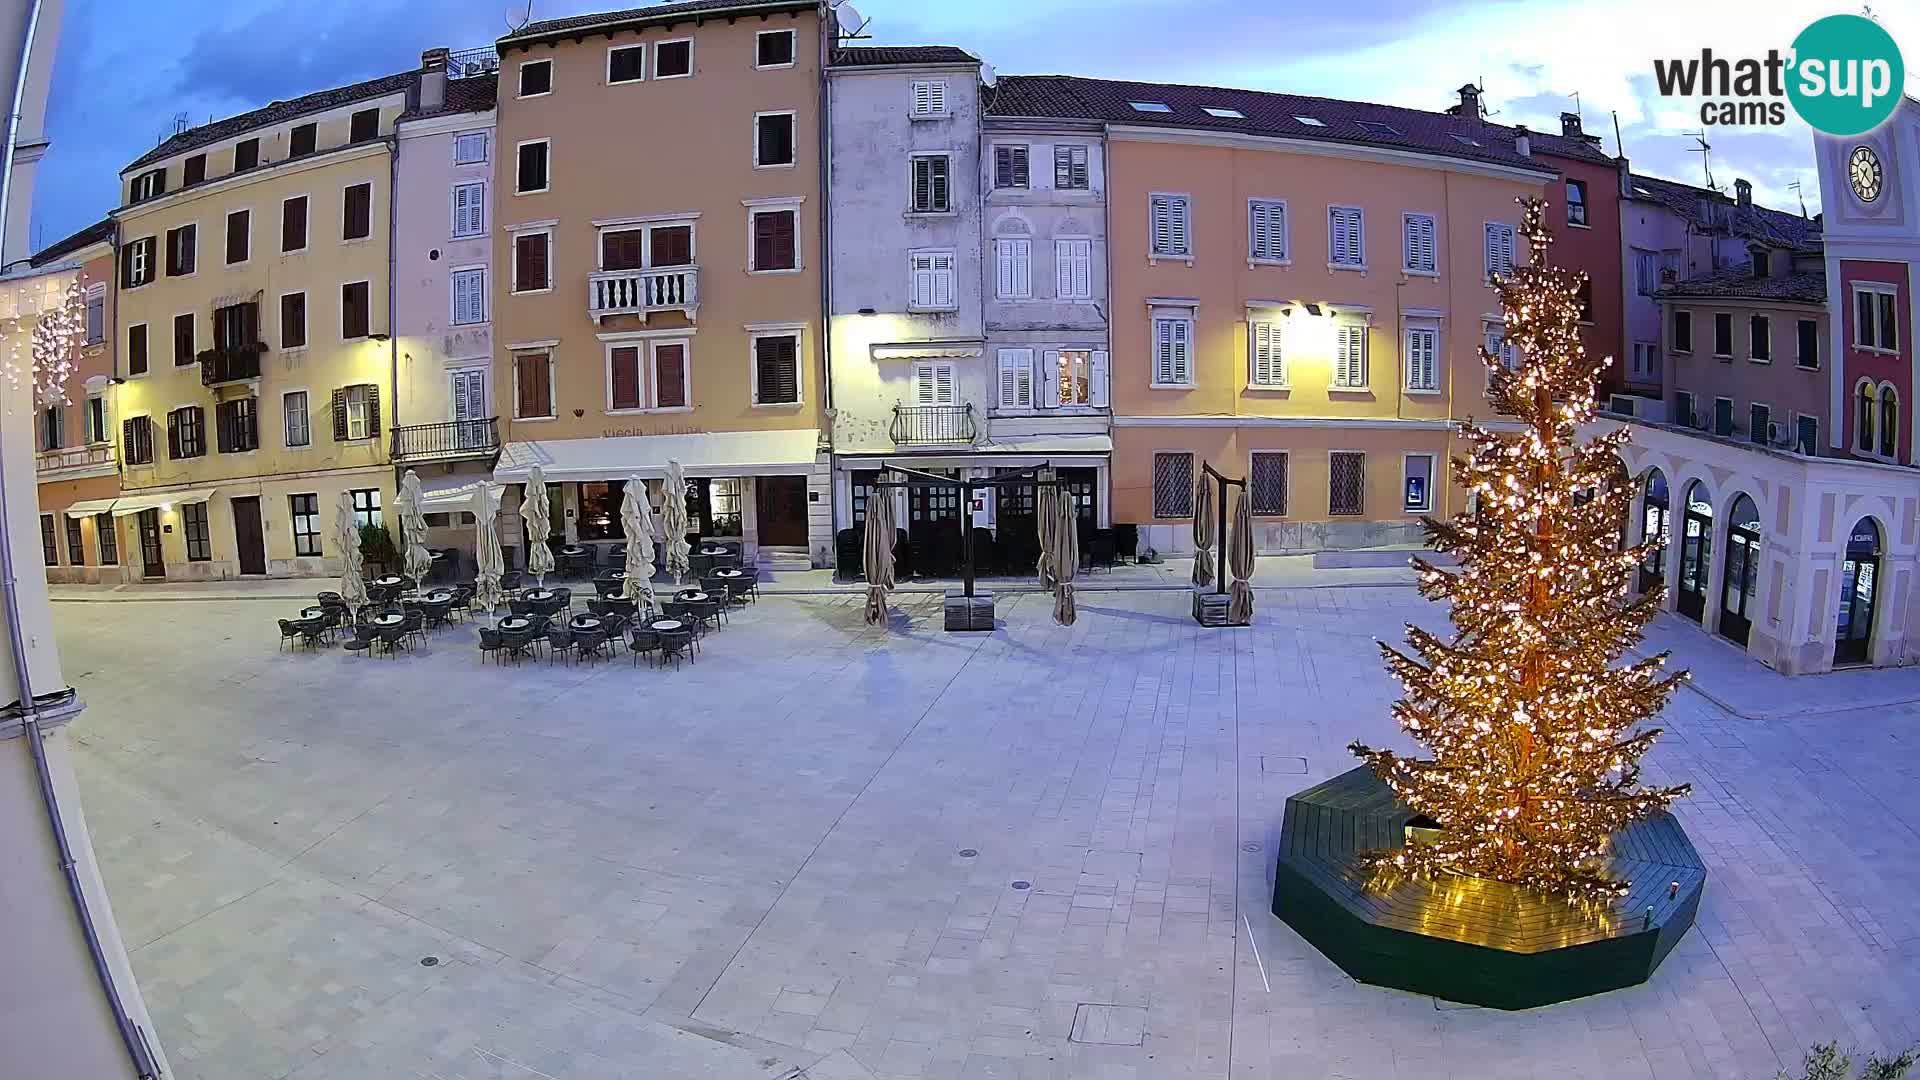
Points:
[(76, 453)]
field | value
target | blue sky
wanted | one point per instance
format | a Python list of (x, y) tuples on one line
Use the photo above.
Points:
[(124, 71)]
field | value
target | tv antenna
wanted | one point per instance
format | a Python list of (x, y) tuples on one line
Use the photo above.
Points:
[(181, 122), (1486, 110), (1795, 188), (1705, 150), (526, 18)]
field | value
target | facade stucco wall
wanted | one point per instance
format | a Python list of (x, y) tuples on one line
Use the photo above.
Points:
[(426, 253), (1787, 388)]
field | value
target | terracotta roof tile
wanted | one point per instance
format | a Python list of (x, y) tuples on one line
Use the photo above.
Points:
[(475, 93), (596, 20), (93, 234), (871, 56), (278, 112), (1802, 287)]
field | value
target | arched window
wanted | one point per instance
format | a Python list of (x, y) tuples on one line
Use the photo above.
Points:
[(1696, 551), (1889, 421), (1653, 526), (1863, 418), (1739, 583)]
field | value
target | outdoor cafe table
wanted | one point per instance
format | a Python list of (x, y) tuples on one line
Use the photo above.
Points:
[(389, 581), (666, 626), (311, 613), (539, 596), (515, 622), (585, 622), (389, 620), (694, 596)]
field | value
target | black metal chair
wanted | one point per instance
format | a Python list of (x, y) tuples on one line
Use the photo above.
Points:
[(1102, 551), (559, 642), (490, 644), (361, 641), (394, 637), (289, 634), (314, 632), (675, 644), (1126, 542), (642, 641)]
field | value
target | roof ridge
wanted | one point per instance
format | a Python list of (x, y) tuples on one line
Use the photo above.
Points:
[(182, 141)]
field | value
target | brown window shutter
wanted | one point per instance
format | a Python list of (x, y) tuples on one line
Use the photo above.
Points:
[(293, 224), (626, 377), (670, 368), (673, 246), (340, 415), (373, 411), (238, 226), (531, 264), (173, 434), (127, 455), (223, 427)]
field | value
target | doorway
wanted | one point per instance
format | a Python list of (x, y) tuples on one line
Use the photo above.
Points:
[(151, 564), (249, 542), (1654, 525), (933, 528), (1742, 573), (1696, 553), (1859, 582), (780, 503)]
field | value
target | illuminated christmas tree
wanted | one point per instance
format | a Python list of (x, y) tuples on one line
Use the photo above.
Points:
[(1533, 730)]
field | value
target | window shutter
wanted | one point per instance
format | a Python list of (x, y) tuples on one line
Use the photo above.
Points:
[(1046, 388), (1163, 351), (943, 384), (1162, 226), (1265, 342), (373, 411), (340, 415), (923, 385), (625, 376), (126, 443), (1003, 268), (1097, 380), (943, 281), (223, 422), (173, 434), (1180, 227), (1009, 387)]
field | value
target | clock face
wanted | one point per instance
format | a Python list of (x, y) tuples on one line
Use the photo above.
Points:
[(1863, 172)]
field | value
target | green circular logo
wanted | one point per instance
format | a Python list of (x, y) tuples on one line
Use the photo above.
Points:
[(1846, 75)]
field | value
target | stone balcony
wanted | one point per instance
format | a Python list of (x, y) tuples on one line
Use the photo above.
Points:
[(643, 292), (77, 462)]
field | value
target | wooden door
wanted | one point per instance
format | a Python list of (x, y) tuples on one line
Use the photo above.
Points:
[(249, 542), (151, 564), (781, 505)]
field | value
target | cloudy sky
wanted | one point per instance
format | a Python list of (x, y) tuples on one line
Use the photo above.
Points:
[(125, 70)]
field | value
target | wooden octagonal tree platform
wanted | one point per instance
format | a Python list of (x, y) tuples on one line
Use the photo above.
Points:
[(1474, 940)]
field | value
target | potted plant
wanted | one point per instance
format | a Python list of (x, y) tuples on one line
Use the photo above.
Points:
[(376, 548)]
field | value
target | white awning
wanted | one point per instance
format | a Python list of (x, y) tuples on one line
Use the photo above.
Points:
[(1058, 445), (90, 507), (452, 494), (133, 504), (725, 453)]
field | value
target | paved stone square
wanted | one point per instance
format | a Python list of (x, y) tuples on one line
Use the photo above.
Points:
[(831, 851)]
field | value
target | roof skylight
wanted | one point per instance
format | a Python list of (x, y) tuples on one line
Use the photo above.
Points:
[(1224, 113), (1150, 106)]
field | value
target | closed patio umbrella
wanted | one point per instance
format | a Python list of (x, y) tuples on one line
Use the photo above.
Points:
[(535, 512), (673, 518), (1202, 532), (353, 585), (1045, 498), (489, 565), (1240, 562), (636, 519), (1066, 558), (879, 553), (417, 560)]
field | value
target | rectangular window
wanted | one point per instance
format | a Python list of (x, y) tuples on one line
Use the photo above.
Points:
[(96, 314), (364, 126), (239, 236), (469, 296), (1499, 249), (774, 235), (1016, 378), (136, 440), (49, 544), (1070, 168), (183, 340), (1807, 337), (1013, 268), (1172, 225), (1646, 360), (1758, 418), (1010, 167), (96, 419), (670, 245), (776, 367), (531, 173), (1497, 345), (304, 512), (137, 349), (773, 139), (1646, 272), (1723, 417), (1346, 483), (1576, 202), (246, 154), (1760, 333), (931, 281), (530, 262), (625, 64), (929, 99), (1422, 358), (1346, 236), (623, 377), (1266, 361), (933, 384), (193, 522), (470, 148), (1267, 483), (76, 543), (366, 507), (1073, 269), (148, 185), (773, 48), (930, 184), (194, 170), (673, 59), (670, 375), (623, 249), (1806, 435), (354, 310), (237, 426), (1266, 230), (1683, 408), (533, 386), (293, 418), (52, 428), (236, 325), (136, 262), (183, 248), (1082, 376), (1876, 321), (293, 224), (1417, 494), (536, 78), (304, 140), (356, 212), (356, 413), (1350, 356), (103, 533), (1683, 331), (469, 209), (1172, 352), (1420, 244), (1722, 334), (1172, 485), (293, 321)]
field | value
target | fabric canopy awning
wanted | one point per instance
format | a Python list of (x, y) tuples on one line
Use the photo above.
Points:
[(725, 453), (451, 494), (133, 504), (90, 507)]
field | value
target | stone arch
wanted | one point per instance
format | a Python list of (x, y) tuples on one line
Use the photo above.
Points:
[(1012, 224)]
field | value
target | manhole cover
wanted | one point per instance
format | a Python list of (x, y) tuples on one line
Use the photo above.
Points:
[(1250, 847), (429, 961), (968, 853), (1022, 886)]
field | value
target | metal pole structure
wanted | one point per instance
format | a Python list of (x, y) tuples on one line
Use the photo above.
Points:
[(917, 478)]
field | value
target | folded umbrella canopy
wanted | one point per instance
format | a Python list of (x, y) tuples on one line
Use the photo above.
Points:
[(417, 560), (353, 585), (636, 520), (1045, 500), (879, 553), (535, 512), (1240, 562), (1203, 532), (673, 518), (1066, 557), (489, 563)]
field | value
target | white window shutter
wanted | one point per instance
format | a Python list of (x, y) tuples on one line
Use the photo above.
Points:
[(1063, 268), (943, 384), (1429, 242), (923, 385), (1003, 268), (1181, 227), (1047, 386), (943, 281), (1182, 351), (1163, 351), (1162, 225), (1097, 380), (1082, 268), (937, 97), (1022, 267)]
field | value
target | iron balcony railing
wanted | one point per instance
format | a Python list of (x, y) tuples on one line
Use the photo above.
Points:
[(637, 292), (471, 63), (236, 363), (452, 439), (100, 455), (914, 424)]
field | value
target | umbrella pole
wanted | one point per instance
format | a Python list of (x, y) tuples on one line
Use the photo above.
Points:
[(1220, 577), (966, 533)]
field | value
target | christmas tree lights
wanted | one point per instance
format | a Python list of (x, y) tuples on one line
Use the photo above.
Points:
[(1532, 729)]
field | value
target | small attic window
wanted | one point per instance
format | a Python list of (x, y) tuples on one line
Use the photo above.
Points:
[(1225, 113), (1465, 141), (1638, 190), (1150, 106), (1375, 128), (1310, 121)]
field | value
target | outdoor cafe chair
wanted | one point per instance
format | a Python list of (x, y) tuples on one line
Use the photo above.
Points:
[(313, 632), (394, 637), (289, 634), (642, 641), (490, 643), (521, 607), (559, 643), (361, 641), (675, 644)]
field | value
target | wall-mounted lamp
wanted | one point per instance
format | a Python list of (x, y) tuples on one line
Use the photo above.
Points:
[(379, 337), (1314, 310), (866, 311)]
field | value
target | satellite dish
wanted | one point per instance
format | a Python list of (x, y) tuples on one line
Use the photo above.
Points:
[(850, 20), (986, 73)]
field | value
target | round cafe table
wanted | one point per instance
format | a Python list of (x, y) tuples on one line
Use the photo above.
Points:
[(585, 622), (437, 595), (389, 620), (710, 551), (539, 596), (312, 612), (666, 626), (389, 581), (515, 622), (694, 596)]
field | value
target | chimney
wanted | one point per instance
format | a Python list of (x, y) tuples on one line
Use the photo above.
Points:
[(1469, 108), (433, 79), (1570, 125), (1522, 143), (1743, 194)]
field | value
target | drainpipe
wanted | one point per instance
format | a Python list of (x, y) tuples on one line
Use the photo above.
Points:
[(30, 708), (826, 226), (393, 268)]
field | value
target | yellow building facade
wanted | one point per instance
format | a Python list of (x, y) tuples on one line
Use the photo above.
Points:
[(254, 337)]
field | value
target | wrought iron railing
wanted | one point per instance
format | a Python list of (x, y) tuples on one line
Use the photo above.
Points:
[(933, 424), (468, 63), (636, 292), (236, 363), (454, 438), (75, 457)]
